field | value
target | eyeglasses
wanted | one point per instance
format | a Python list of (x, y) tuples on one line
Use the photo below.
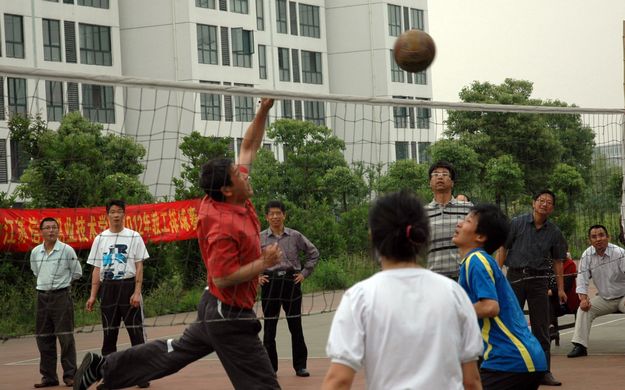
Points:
[(547, 202), (50, 228), (439, 174)]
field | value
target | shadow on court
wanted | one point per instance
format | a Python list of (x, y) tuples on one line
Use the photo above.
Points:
[(603, 369)]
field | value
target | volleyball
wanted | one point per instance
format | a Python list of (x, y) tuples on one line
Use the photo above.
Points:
[(414, 50)]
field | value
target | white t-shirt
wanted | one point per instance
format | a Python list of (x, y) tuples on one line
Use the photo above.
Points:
[(409, 328), (116, 254)]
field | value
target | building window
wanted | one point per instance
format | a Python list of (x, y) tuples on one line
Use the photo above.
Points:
[(314, 111), (17, 96), (423, 152), (420, 78), (4, 166), (98, 103), (210, 104), (95, 3), (51, 40), (311, 67), (260, 15), (95, 45), (242, 47), (293, 17), (205, 3), (397, 75), (239, 6), (284, 64), (287, 109), (401, 150), (281, 17), (19, 160), (394, 20), (423, 118), (416, 19), (54, 100), (14, 36), (309, 24), (262, 62), (400, 115), (207, 44), (68, 1), (243, 106)]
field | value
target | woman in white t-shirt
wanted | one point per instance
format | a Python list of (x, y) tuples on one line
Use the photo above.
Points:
[(408, 327)]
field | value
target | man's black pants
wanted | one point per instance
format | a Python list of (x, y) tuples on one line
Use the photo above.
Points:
[(55, 319), (115, 306), (282, 292), (533, 289)]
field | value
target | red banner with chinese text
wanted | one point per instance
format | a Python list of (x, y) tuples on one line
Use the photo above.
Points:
[(159, 222)]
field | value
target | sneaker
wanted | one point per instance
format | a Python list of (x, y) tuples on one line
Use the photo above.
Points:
[(577, 351), (89, 371)]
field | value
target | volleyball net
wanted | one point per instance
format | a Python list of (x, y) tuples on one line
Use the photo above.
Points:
[(70, 141)]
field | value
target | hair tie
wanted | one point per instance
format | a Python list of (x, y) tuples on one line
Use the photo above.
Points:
[(408, 229)]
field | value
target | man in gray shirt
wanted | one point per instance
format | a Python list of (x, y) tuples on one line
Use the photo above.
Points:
[(605, 264), (444, 212), (282, 285), (55, 265), (534, 247)]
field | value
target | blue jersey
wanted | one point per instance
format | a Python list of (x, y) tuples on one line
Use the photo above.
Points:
[(509, 345)]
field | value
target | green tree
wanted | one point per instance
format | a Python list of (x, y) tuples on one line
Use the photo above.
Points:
[(77, 165), (406, 174), (503, 178), (198, 150), (536, 142), (568, 183)]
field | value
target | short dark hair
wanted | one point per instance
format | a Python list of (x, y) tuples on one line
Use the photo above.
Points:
[(115, 202), (48, 219), (400, 228), (443, 164), (274, 204), (548, 192), (598, 227), (492, 223), (215, 174)]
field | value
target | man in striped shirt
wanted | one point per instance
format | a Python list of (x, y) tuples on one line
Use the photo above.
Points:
[(444, 212)]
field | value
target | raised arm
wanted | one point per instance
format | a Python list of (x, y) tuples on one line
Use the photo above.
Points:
[(253, 137)]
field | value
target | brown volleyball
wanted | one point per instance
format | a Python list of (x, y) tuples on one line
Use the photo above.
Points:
[(414, 50)]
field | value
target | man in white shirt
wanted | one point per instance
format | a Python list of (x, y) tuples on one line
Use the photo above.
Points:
[(605, 264), (117, 256), (55, 265)]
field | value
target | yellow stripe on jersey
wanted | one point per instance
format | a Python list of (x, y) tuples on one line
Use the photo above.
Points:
[(529, 363)]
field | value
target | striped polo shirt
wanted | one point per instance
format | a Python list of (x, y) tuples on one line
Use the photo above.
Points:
[(443, 256)]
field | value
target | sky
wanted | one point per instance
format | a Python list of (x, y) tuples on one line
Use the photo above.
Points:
[(572, 50)]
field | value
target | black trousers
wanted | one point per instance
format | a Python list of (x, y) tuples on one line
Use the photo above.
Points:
[(229, 331), (533, 289), (283, 292), (497, 380), (55, 320), (115, 306)]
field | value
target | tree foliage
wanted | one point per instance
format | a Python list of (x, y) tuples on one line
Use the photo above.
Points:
[(77, 165), (538, 143)]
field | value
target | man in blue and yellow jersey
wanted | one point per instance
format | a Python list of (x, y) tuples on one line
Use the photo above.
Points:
[(513, 357)]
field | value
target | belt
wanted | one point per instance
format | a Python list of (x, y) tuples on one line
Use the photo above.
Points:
[(280, 272), (59, 290), (530, 271)]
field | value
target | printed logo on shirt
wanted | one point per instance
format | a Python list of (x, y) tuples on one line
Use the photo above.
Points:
[(117, 254)]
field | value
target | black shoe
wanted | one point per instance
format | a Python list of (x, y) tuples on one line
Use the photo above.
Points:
[(46, 383), (549, 380), (69, 382), (302, 372), (89, 371), (144, 385), (577, 351)]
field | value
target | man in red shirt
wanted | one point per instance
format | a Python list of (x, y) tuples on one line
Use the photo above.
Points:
[(228, 233)]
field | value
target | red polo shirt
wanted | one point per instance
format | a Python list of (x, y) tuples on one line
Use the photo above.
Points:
[(229, 238)]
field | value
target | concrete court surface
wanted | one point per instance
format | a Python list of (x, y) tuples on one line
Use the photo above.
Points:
[(603, 369)]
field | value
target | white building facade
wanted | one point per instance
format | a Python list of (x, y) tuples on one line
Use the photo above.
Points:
[(315, 46)]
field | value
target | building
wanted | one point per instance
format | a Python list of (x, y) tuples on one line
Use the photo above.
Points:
[(334, 46)]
